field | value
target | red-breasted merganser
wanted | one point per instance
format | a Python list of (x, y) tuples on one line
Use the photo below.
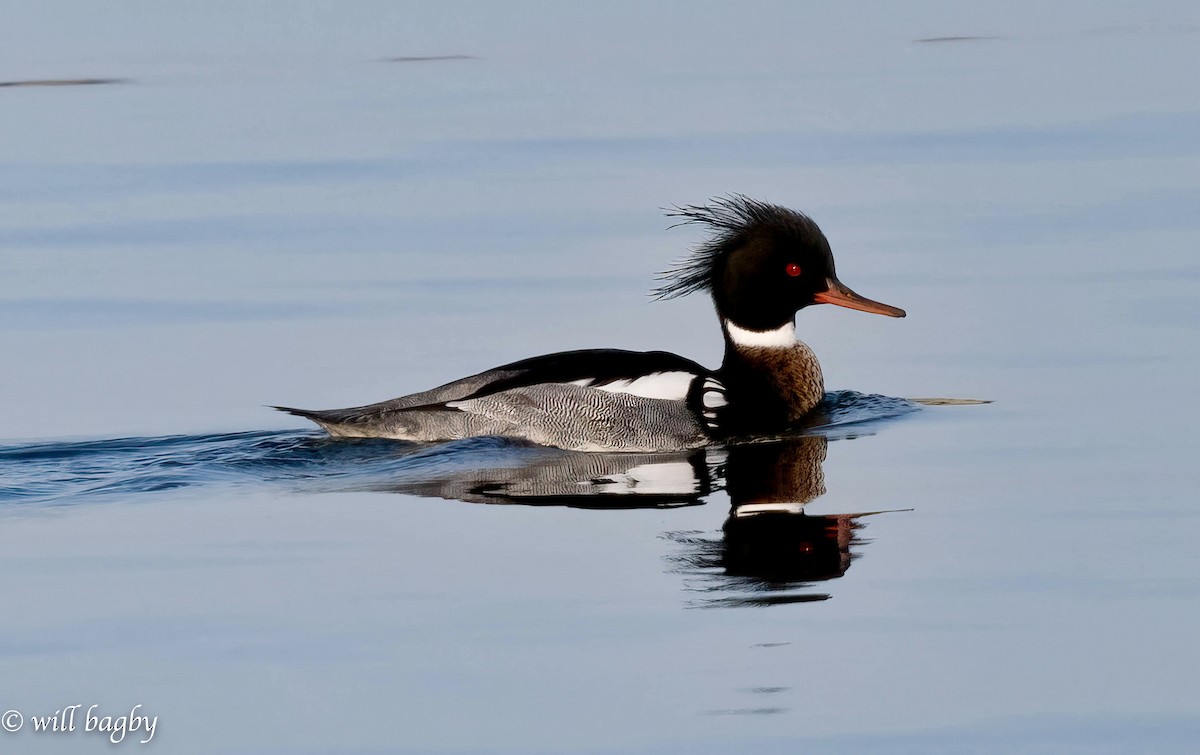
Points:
[(762, 263)]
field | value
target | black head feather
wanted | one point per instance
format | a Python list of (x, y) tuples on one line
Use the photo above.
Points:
[(731, 220)]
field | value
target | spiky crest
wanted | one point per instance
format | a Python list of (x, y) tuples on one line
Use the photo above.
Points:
[(728, 220)]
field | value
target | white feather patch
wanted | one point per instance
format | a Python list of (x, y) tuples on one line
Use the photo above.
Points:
[(666, 385), (750, 509), (666, 478), (764, 339)]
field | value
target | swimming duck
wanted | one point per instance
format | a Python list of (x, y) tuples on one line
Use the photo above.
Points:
[(761, 263)]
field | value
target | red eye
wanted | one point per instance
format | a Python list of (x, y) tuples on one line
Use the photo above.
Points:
[(793, 269)]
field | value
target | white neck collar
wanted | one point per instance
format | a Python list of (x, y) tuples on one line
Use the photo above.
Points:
[(781, 337)]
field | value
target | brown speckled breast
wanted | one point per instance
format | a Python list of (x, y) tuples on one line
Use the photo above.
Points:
[(771, 387)]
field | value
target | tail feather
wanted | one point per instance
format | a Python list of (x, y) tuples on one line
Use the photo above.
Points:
[(399, 424), (353, 420), (315, 415)]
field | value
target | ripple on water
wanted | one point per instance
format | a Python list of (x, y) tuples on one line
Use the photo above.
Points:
[(73, 472)]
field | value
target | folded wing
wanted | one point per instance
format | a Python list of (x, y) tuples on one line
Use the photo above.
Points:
[(604, 399)]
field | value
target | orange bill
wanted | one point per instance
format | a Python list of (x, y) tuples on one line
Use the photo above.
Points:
[(838, 294)]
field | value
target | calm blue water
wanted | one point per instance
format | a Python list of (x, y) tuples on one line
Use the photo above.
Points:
[(268, 211)]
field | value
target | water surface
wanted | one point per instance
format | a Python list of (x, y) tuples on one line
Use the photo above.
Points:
[(267, 209)]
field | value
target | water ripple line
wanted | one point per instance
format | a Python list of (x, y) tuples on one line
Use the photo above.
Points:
[(53, 472)]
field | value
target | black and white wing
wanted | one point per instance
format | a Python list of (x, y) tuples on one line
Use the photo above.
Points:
[(601, 399)]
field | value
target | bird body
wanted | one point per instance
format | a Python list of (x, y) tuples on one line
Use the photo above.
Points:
[(761, 264), (590, 400)]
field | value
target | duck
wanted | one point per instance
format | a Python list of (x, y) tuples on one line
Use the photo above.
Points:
[(760, 262)]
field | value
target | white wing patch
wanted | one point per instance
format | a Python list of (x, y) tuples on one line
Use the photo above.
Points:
[(665, 385), (666, 478)]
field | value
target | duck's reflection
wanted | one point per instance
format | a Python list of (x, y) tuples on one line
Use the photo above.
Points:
[(551, 477), (770, 547), (768, 552), (598, 481)]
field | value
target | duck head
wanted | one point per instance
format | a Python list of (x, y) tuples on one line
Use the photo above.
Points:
[(762, 263)]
